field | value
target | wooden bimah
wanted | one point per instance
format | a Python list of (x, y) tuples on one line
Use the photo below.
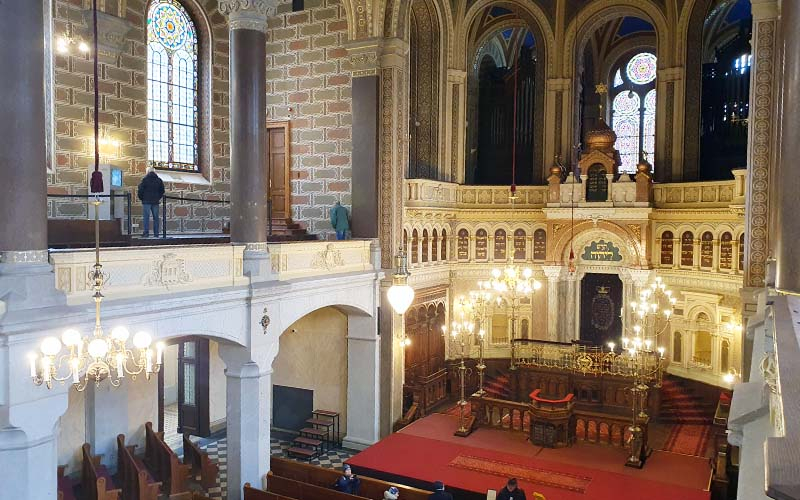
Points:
[(95, 478), (552, 421)]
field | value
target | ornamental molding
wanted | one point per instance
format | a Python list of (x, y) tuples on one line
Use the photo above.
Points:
[(247, 14), (265, 321), (111, 32), (169, 271), (24, 257), (328, 259)]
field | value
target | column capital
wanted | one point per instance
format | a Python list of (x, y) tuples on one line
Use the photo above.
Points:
[(671, 74), (639, 277), (553, 273), (764, 9), (455, 75), (364, 56), (247, 14)]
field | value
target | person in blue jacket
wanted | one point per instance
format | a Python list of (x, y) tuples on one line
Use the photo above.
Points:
[(340, 220), (439, 493), (347, 482)]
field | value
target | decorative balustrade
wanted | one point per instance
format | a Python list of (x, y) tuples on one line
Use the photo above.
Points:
[(142, 271), (708, 194), (430, 194), (428, 391), (500, 413)]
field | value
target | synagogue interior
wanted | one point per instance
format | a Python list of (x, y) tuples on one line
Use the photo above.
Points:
[(382, 249)]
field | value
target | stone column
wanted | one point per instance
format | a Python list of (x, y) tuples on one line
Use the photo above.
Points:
[(28, 444), (248, 135), (668, 164), (787, 224), (553, 274), (557, 139), (363, 382), (248, 402), (25, 276), (571, 308), (761, 152), (456, 132)]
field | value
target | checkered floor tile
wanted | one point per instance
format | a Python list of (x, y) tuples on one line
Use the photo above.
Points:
[(217, 450)]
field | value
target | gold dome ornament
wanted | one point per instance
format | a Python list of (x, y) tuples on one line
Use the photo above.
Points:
[(601, 137), (644, 166)]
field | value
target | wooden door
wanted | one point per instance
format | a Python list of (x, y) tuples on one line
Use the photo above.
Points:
[(193, 414), (279, 163)]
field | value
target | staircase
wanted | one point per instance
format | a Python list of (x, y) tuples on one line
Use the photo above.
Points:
[(286, 230), (680, 405), (498, 387), (321, 434)]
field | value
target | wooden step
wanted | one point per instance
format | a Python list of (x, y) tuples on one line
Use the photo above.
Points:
[(307, 441), (314, 432), (325, 413), (304, 452), (319, 421)]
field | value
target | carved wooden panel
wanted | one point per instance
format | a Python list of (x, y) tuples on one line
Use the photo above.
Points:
[(481, 243), (707, 249), (596, 183), (424, 245), (414, 247), (435, 247), (539, 244), (463, 245), (520, 240), (444, 245), (687, 249), (726, 251), (500, 244), (667, 248)]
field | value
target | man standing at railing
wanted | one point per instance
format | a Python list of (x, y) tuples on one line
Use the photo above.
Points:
[(340, 220), (150, 192)]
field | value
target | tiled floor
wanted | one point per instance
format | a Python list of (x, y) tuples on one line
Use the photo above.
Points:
[(217, 450), (171, 436)]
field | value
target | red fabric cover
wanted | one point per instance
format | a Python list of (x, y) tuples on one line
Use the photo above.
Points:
[(535, 396)]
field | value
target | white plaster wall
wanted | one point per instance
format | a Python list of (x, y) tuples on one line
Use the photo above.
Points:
[(170, 368), (72, 433), (314, 357), (539, 312), (216, 386)]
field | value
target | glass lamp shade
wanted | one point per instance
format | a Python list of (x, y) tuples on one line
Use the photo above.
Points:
[(98, 348), (51, 346), (120, 334), (71, 337), (400, 297), (141, 340)]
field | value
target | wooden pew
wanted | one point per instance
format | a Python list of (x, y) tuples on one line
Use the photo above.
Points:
[(198, 460), (251, 493), (164, 464), (304, 491), (321, 476), (65, 486), (137, 483), (95, 478)]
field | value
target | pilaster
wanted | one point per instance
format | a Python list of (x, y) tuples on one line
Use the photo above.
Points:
[(455, 130), (668, 164), (553, 274)]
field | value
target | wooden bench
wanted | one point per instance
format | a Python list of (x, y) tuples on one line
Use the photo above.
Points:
[(136, 481), (251, 493), (198, 460), (165, 465), (321, 476), (305, 491), (65, 485), (95, 479)]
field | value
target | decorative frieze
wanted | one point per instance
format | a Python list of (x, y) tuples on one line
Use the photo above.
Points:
[(247, 14)]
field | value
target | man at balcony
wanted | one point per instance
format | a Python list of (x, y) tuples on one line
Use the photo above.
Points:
[(150, 192), (340, 220)]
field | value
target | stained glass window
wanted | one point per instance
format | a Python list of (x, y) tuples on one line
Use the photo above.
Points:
[(633, 106), (172, 117)]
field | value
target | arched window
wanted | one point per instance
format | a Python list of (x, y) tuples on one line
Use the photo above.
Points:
[(725, 356), (726, 251), (706, 249), (524, 329), (667, 248), (500, 244), (633, 109), (172, 84), (481, 237), (405, 241), (463, 244), (435, 246), (520, 241), (444, 245), (741, 252), (414, 246), (424, 245), (539, 244), (687, 249)]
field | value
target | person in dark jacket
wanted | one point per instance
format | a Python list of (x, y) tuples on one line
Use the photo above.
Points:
[(347, 482), (439, 493), (511, 491), (340, 220), (150, 192)]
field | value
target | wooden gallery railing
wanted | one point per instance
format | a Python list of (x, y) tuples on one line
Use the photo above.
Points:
[(428, 391)]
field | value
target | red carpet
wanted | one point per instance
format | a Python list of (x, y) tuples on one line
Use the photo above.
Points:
[(559, 480), (689, 439), (411, 456)]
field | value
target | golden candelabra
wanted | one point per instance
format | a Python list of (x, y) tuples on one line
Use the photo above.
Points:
[(459, 336), (511, 286)]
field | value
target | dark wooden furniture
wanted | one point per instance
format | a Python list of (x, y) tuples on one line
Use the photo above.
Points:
[(79, 233), (95, 478), (305, 491), (200, 462), (251, 493), (552, 421), (164, 464), (321, 476), (65, 485), (136, 481)]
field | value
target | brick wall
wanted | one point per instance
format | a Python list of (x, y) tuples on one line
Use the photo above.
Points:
[(308, 82)]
